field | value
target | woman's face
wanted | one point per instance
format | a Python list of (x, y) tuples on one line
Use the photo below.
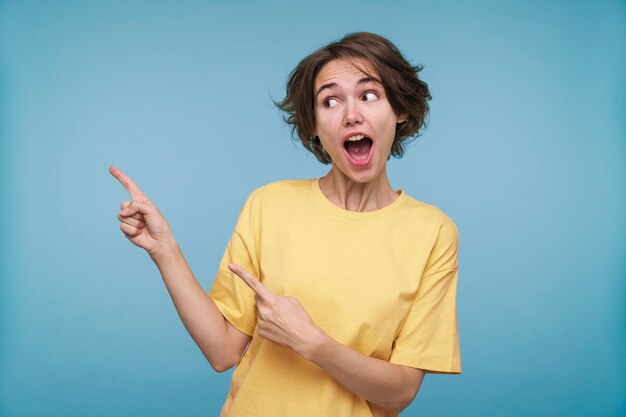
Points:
[(354, 120)]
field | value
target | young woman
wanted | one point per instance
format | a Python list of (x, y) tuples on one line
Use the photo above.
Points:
[(335, 295)]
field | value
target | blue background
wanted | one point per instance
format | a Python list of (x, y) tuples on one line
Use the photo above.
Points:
[(525, 150)]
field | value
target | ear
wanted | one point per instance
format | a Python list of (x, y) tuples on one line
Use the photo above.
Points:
[(402, 118)]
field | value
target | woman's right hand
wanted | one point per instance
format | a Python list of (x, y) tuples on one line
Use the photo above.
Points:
[(141, 222)]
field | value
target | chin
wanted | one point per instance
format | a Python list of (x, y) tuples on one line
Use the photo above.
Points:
[(362, 176)]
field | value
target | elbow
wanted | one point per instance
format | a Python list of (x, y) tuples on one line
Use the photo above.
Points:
[(405, 399), (222, 364), (400, 406)]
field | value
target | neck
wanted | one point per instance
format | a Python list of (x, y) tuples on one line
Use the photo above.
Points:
[(354, 196)]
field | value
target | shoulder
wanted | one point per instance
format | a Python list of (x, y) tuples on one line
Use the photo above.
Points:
[(278, 192), (431, 215), (442, 235), (282, 188)]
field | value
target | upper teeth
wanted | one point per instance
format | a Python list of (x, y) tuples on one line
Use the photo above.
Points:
[(355, 137)]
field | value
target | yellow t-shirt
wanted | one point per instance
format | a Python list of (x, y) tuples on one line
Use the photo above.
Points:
[(382, 283)]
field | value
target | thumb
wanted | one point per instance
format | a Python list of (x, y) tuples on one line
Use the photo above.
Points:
[(137, 207)]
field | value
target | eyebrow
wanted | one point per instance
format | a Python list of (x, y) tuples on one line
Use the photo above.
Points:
[(362, 81)]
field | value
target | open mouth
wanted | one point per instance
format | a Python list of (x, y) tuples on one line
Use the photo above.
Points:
[(359, 149)]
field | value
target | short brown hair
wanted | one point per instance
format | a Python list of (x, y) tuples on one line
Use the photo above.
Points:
[(407, 94)]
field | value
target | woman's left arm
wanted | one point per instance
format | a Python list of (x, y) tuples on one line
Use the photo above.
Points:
[(388, 385), (283, 321)]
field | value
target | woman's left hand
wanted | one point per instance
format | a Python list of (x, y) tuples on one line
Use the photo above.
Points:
[(281, 320)]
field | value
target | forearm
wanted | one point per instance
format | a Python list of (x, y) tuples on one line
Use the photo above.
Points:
[(198, 312), (283, 321), (388, 385)]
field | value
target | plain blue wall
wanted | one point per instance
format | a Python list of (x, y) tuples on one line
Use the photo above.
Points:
[(525, 150)]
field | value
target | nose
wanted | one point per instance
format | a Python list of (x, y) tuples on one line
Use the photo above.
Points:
[(352, 113)]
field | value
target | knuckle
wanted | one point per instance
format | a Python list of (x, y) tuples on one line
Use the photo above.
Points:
[(128, 229), (265, 314)]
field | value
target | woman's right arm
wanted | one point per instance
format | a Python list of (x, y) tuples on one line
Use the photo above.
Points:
[(143, 224)]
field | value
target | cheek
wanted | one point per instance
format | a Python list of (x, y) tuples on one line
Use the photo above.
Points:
[(389, 132), (324, 122), (319, 122), (316, 115), (326, 143)]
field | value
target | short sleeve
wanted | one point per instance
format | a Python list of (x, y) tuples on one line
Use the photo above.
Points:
[(233, 297), (429, 337)]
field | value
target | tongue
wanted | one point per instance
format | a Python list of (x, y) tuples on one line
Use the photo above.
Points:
[(360, 149)]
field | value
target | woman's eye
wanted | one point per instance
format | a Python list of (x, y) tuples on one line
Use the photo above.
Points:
[(370, 96), (330, 102)]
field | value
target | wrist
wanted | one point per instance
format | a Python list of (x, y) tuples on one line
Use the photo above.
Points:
[(317, 345), (164, 250)]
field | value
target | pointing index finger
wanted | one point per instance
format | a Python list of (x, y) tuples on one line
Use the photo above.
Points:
[(251, 281), (132, 188)]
